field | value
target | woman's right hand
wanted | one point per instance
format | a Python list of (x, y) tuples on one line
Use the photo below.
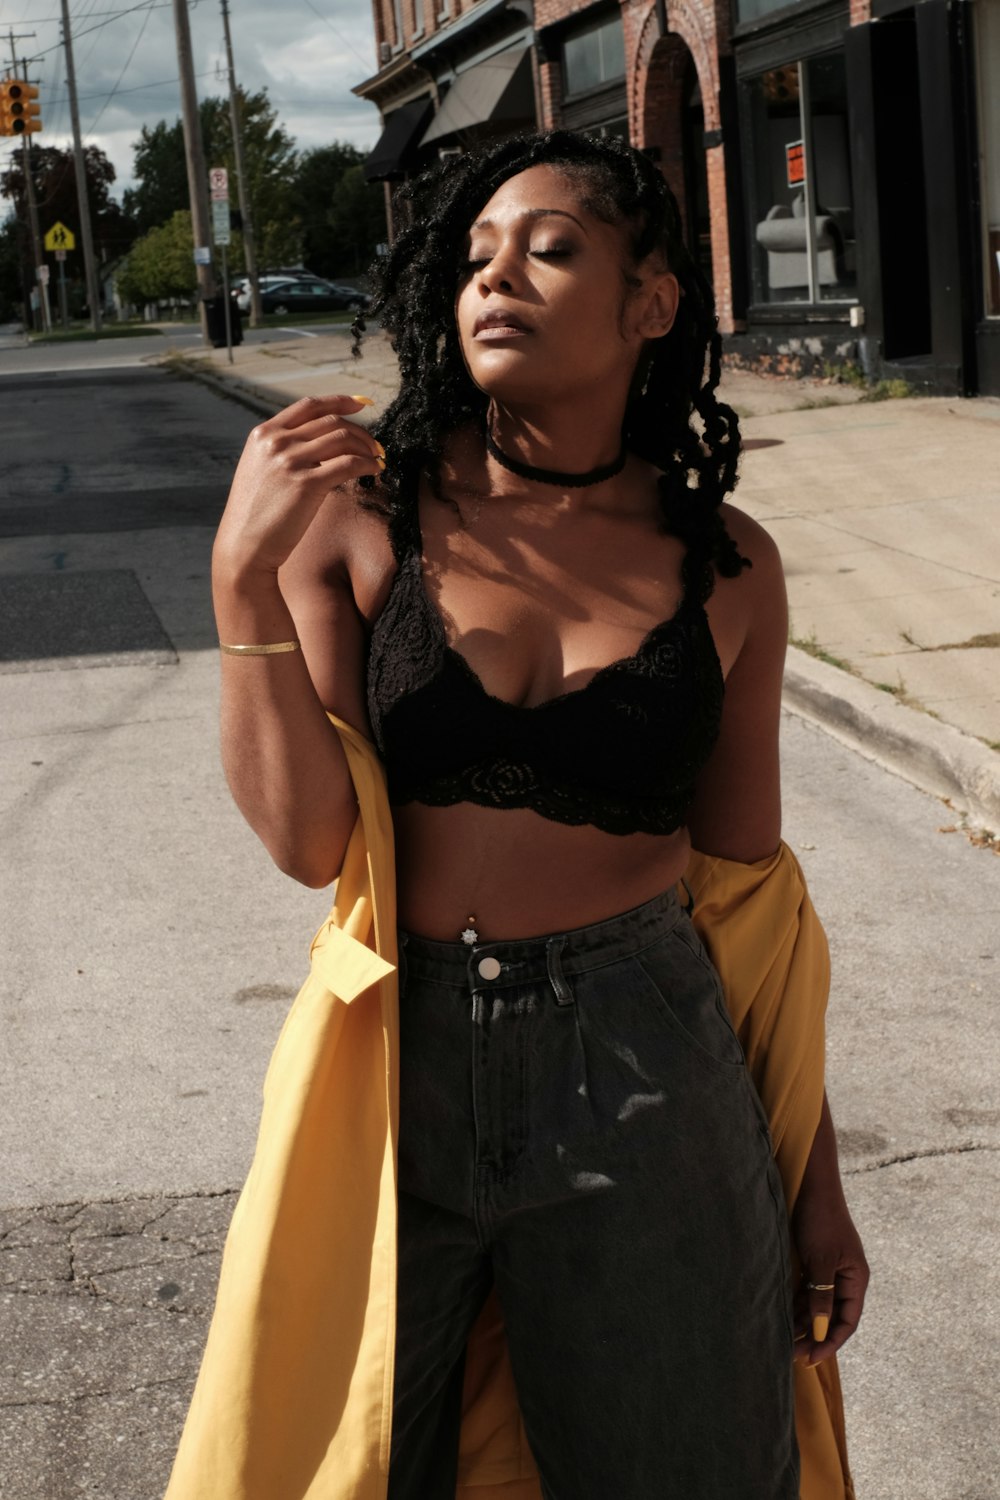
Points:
[(289, 466)]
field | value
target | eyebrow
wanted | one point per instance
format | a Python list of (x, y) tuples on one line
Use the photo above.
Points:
[(533, 213)]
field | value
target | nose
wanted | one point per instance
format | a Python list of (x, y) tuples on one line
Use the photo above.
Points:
[(501, 273)]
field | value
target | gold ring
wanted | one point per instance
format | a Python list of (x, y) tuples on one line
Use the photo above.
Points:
[(813, 1286)]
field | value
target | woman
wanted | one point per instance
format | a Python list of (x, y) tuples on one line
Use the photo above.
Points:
[(568, 649)]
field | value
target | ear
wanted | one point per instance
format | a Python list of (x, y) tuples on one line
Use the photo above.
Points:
[(662, 296)]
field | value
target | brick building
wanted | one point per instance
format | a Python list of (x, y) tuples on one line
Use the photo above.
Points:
[(837, 162)]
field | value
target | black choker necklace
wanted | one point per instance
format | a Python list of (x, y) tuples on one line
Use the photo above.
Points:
[(553, 476)]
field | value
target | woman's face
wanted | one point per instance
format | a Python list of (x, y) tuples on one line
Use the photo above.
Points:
[(543, 308)]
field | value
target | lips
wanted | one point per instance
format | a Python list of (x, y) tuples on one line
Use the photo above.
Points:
[(499, 323)]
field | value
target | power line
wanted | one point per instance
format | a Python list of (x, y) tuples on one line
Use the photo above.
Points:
[(138, 88), (365, 61), (121, 75), (146, 5)]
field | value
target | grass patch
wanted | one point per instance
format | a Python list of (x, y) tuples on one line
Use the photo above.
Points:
[(897, 690), (847, 373), (811, 647), (889, 390), (81, 335), (853, 375), (275, 320)]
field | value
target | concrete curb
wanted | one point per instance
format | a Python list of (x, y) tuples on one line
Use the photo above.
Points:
[(258, 398), (933, 756)]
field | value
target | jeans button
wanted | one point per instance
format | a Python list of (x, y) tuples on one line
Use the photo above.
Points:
[(489, 968)]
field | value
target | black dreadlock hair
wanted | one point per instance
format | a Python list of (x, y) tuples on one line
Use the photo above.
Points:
[(414, 296)]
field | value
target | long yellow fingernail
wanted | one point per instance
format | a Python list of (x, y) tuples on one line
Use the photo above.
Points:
[(381, 450), (380, 462), (363, 400), (821, 1327)]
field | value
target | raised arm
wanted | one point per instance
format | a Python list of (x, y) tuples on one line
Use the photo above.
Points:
[(282, 758)]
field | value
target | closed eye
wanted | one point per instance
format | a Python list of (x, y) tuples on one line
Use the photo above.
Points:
[(557, 252)]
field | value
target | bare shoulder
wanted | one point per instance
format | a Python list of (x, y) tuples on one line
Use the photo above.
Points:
[(749, 612), (753, 541)]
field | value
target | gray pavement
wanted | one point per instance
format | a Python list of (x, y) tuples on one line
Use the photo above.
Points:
[(150, 952)]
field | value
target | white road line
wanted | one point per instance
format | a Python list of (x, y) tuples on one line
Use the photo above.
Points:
[(303, 331)]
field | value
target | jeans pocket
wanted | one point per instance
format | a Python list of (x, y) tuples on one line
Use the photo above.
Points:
[(688, 993)]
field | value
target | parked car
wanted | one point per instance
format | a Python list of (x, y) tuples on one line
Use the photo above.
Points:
[(306, 294), (240, 289)]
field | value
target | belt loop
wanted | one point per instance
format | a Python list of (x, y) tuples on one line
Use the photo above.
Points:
[(553, 962)]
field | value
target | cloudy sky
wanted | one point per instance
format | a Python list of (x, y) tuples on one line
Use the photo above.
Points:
[(307, 53)]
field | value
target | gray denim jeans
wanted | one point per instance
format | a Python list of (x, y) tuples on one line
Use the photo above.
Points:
[(578, 1127)]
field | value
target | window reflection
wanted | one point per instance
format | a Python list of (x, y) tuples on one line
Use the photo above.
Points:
[(802, 207)]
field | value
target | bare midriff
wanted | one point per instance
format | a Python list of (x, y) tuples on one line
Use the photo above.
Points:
[(519, 874)]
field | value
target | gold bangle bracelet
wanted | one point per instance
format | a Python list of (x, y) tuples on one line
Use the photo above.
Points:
[(259, 650)]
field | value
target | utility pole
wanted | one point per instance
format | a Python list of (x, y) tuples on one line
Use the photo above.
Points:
[(29, 188), (82, 195), (36, 234), (194, 151), (249, 247)]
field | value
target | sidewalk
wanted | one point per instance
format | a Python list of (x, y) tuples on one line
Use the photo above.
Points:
[(888, 518)]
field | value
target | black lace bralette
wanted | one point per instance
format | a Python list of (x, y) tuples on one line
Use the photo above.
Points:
[(620, 753)]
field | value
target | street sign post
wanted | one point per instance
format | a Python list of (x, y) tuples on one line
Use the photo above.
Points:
[(218, 182), (220, 222)]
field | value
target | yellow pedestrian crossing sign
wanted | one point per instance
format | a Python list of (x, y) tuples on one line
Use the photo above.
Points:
[(60, 238)]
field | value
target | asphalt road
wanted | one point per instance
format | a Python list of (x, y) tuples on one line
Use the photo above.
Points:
[(149, 952)]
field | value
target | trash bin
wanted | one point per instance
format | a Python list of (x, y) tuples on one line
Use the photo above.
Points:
[(215, 315)]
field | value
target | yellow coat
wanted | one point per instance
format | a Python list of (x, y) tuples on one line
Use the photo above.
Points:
[(294, 1397)]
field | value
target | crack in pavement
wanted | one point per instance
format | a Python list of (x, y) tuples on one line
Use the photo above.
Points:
[(928, 1153), (66, 1401)]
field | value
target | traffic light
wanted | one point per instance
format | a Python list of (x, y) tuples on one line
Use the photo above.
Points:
[(19, 114)]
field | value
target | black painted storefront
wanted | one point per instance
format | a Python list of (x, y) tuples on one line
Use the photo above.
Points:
[(897, 289)]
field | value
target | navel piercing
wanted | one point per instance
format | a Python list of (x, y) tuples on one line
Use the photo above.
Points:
[(470, 935)]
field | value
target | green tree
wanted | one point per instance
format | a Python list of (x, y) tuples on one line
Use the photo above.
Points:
[(356, 220), (13, 248), (317, 177), (55, 192), (160, 265), (160, 172)]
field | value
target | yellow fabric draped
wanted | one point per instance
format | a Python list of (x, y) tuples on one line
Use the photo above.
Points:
[(294, 1397)]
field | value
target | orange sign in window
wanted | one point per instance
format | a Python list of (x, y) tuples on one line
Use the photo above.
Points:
[(795, 161)]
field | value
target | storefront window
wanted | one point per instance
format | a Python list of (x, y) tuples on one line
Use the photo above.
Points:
[(988, 53), (802, 206), (594, 56)]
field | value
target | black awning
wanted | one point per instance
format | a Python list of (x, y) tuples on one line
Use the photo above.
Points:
[(400, 133), (497, 90)]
